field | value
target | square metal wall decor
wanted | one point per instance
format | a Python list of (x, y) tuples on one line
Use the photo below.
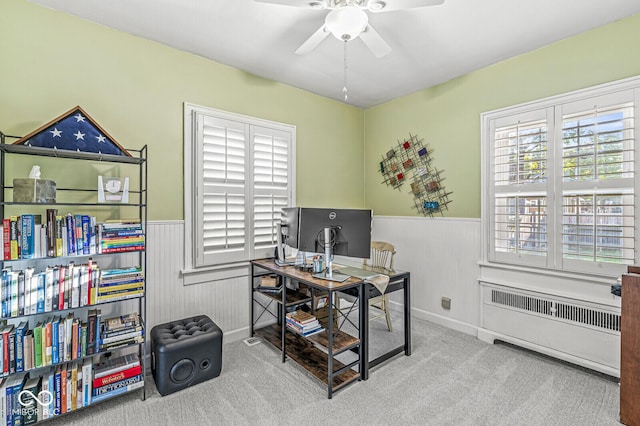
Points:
[(412, 161)]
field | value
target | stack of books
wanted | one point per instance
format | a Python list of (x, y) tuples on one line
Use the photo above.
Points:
[(121, 331), (303, 323), (269, 284), (120, 284), (121, 237), (115, 376)]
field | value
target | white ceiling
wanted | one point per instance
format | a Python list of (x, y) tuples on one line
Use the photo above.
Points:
[(430, 45)]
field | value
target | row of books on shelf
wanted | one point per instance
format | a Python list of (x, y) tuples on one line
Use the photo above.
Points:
[(28, 236), (27, 398), (303, 323), (61, 339), (28, 292)]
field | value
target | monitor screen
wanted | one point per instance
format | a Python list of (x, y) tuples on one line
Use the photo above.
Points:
[(351, 231)]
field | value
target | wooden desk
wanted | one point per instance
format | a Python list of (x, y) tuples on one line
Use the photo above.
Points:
[(304, 350)]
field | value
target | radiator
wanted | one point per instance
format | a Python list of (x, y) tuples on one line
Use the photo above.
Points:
[(581, 332)]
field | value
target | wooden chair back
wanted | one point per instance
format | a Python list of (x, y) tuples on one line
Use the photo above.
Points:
[(381, 255)]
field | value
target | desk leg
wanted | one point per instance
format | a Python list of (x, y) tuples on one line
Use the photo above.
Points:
[(407, 316), (364, 330), (330, 342), (283, 319), (251, 316)]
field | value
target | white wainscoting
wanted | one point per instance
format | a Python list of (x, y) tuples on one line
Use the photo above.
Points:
[(442, 255), (225, 301)]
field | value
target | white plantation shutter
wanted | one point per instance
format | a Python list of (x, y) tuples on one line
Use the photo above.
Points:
[(221, 216), (242, 177), (520, 175), (270, 182), (561, 181), (598, 181)]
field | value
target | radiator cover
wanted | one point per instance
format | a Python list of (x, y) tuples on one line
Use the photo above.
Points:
[(581, 332)]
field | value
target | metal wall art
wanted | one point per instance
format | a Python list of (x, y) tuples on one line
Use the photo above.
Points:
[(411, 161)]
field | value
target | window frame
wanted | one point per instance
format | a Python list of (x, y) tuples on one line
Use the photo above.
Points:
[(194, 257), (555, 109)]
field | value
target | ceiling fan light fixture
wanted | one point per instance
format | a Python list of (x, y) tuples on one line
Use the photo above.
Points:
[(346, 22)]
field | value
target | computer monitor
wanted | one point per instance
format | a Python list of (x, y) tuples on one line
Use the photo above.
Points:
[(351, 231), (289, 226)]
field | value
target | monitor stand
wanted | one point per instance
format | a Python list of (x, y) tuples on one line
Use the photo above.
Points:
[(328, 274)]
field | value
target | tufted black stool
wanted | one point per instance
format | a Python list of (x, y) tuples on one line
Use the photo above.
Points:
[(185, 352)]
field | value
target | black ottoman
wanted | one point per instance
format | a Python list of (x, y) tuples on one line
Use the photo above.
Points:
[(185, 352)]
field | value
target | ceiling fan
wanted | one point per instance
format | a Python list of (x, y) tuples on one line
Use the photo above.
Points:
[(348, 20)]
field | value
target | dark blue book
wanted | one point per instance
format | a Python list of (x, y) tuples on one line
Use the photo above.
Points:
[(86, 234), (71, 234), (19, 342), (27, 231)]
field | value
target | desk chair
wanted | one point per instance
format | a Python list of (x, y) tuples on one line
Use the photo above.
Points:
[(381, 260)]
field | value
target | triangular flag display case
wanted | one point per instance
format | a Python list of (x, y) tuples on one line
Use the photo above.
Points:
[(412, 161), (74, 130)]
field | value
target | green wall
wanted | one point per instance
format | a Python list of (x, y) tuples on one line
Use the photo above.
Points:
[(135, 89), (447, 116)]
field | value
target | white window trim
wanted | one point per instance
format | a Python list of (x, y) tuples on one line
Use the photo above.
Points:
[(189, 111), (487, 192)]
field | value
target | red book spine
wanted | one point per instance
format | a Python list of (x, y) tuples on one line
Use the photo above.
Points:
[(116, 377), (6, 238)]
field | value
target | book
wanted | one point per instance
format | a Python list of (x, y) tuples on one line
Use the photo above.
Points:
[(117, 376), (114, 365), (6, 239), (55, 335), (19, 342), (29, 291), (87, 385), (51, 232), (30, 412), (5, 347), (37, 345), (13, 238), (71, 234), (79, 235), (118, 391), (122, 321), (14, 386), (50, 287), (27, 236), (117, 385), (28, 350)]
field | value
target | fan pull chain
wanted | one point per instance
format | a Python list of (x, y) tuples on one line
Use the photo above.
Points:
[(344, 88)]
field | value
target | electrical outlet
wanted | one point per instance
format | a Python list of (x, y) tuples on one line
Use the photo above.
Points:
[(446, 303)]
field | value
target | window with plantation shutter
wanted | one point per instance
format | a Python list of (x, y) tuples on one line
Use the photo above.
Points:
[(560, 181), (238, 176)]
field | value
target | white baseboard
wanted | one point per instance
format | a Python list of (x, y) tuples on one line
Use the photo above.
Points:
[(445, 322), (491, 336)]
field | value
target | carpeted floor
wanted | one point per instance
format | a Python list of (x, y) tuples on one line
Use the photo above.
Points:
[(450, 379)]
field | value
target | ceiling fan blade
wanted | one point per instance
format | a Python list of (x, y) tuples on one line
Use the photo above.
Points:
[(374, 42), (391, 5), (297, 3), (313, 41)]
